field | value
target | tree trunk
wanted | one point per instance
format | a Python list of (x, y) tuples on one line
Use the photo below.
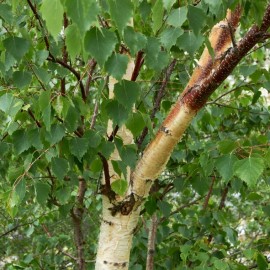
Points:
[(120, 216)]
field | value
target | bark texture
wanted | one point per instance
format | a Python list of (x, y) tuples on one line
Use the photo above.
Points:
[(120, 216)]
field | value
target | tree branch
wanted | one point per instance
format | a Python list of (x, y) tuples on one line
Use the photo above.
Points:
[(206, 202), (151, 242), (158, 99), (91, 66), (34, 118), (77, 219)]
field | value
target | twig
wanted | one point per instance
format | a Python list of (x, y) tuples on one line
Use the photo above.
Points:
[(206, 202), (77, 218), (106, 172), (34, 118), (181, 208), (151, 242), (91, 65), (94, 117), (158, 99), (138, 64), (59, 249)]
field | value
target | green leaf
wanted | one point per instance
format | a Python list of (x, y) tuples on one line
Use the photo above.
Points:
[(18, 193), (45, 108), (10, 104), (224, 165), (266, 209), (227, 146), (21, 141), (119, 186), (41, 57), (93, 138), (34, 138), (22, 78), (16, 46), (42, 192), (6, 13), (169, 36), (155, 58), (72, 119), (157, 15), (56, 134), (117, 112), (177, 17), (150, 205), (189, 42), (83, 13), (135, 41), (196, 18), (126, 93), (52, 12), (167, 4), (135, 124), (165, 208), (121, 13), (63, 194), (59, 167), (78, 147), (116, 65), (100, 44), (73, 41), (249, 169), (262, 262), (42, 74)]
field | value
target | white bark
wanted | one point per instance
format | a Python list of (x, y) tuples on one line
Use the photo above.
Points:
[(115, 239)]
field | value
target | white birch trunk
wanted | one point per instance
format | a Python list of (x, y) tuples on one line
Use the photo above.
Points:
[(117, 229)]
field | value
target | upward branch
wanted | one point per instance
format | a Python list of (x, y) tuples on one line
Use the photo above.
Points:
[(205, 80)]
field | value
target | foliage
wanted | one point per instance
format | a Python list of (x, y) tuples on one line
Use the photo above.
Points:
[(51, 134)]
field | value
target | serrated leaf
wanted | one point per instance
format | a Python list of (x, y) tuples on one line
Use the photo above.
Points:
[(117, 112), (119, 186), (126, 93), (224, 165), (169, 36), (227, 146), (177, 17), (17, 193), (34, 138), (16, 46), (189, 42), (52, 12), (45, 108), (56, 134), (42, 192), (165, 208), (42, 74), (78, 147), (157, 15), (93, 138), (155, 58), (83, 13), (41, 57), (135, 124), (21, 141), (100, 44), (73, 41), (10, 104), (116, 65), (121, 13), (134, 40), (63, 194), (22, 78), (59, 167), (249, 169), (71, 119), (196, 18)]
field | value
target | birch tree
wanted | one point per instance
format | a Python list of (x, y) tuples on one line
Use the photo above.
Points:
[(91, 125)]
